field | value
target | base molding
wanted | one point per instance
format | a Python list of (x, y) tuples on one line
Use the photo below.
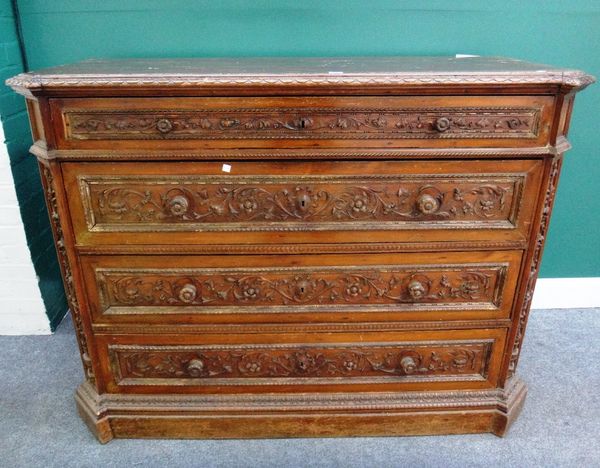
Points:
[(300, 415)]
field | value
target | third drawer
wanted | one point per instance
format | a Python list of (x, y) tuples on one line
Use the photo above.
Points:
[(432, 286)]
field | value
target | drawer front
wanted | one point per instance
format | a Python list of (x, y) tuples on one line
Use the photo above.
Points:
[(311, 288), (172, 203), (353, 361), (175, 123)]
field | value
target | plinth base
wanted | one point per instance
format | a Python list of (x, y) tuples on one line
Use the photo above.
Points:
[(300, 415)]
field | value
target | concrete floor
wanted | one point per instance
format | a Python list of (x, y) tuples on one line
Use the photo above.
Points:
[(559, 426)]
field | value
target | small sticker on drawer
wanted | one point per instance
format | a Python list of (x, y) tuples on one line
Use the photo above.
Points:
[(226, 168)]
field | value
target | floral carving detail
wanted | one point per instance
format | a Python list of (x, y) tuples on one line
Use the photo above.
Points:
[(490, 122), (276, 287), (280, 361), (208, 203), (67, 274), (535, 265)]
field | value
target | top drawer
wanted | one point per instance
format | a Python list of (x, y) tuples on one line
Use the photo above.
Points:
[(196, 123)]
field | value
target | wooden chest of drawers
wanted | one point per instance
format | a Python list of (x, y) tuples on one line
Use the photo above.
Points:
[(300, 247)]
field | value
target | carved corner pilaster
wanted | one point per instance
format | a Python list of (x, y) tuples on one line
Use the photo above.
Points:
[(535, 264), (65, 267)]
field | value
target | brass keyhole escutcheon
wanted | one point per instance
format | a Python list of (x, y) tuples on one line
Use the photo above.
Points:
[(305, 122)]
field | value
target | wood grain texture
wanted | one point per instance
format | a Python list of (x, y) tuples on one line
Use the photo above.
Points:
[(302, 415), (323, 201), (365, 122), (365, 267), (215, 289)]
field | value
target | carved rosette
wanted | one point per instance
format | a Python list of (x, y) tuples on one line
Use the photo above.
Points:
[(236, 363), (250, 204), (492, 122), (52, 204), (300, 287), (535, 265)]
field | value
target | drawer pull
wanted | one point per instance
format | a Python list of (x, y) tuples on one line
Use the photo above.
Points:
[(417, 290), (195, 367), (179, 205), (164, 125), (408, 365), (428, 204), (442, 124), (188, 293)]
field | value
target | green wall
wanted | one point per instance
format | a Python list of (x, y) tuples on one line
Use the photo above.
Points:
[(563, 33), (25, 172)]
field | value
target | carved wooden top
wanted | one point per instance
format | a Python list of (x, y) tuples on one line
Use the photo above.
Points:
[(294, 72)]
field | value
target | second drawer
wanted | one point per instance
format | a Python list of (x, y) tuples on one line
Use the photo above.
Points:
[(300, 289), (293, 202)]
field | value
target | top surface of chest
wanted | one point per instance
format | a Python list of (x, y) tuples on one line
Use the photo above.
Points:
[(294, 75)]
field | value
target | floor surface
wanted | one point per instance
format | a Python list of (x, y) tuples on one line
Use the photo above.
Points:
[(559, 425)]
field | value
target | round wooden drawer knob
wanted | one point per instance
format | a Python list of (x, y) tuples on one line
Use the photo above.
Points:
[(164, 125), (416, 289), (408, 364), (195, 367), (427, 204), (188, 293), (442, 124), (179, 205)]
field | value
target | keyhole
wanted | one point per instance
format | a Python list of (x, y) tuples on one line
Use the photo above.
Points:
[(303, 123), (302, 203), (301, 289)]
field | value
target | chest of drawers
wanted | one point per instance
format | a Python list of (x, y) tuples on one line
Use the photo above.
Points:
[(300, 247)]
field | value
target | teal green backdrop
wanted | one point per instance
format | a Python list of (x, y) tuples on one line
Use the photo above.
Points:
[(557, 32)]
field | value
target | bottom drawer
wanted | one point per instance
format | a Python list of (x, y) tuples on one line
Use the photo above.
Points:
[(408, 360)]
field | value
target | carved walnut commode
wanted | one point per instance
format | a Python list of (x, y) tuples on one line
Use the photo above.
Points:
[(300, 247)]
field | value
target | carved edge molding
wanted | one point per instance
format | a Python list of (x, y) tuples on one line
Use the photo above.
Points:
[(573, 78), (51, 201), (227, 249), (535, 264), (298, 328), (500, 398), (562, 145)]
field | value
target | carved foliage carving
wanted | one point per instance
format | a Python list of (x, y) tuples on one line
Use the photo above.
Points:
[(493, 122), (253, 204), (51, 201), (301, 286), (219, 363), (535, 265)]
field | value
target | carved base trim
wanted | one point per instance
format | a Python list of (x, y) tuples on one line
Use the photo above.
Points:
[(219, 416)]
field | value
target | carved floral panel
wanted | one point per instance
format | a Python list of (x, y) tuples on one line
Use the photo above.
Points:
[(273, 364), (492, 122), (209, 203), (268, 289)]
